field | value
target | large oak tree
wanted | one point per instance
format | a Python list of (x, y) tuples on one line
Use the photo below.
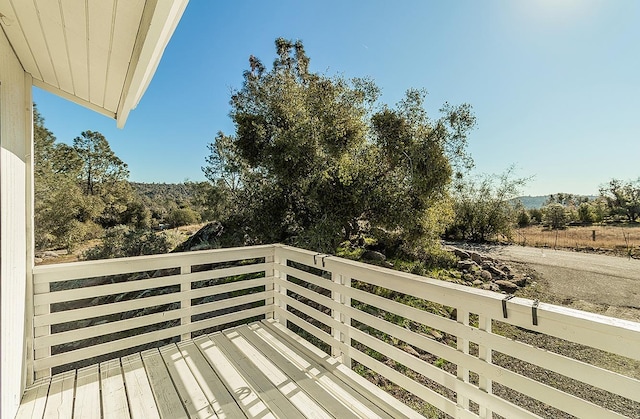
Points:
[(315, 159)]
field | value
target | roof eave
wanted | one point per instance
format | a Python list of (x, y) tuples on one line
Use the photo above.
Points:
[(159, 21)]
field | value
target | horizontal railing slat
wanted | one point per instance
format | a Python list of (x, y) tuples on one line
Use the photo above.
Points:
[(617, 336), (581, 371), (142, 321), (145, 338), (92, 269), (612, 335)]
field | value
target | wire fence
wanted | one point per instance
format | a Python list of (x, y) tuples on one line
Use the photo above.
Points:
[(607, 238)]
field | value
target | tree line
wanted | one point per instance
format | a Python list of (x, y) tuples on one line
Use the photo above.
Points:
[(314, 161), (82, 192)]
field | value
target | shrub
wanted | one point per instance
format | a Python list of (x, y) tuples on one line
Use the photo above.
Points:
[(122, 241)]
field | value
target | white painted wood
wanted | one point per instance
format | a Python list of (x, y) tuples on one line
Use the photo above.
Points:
[(485, 354), (152, 40), (114, 398), (99, 31), (15, 33), (193, 399), (106, 309), (52, 26), (61, 396), (139, 395), (26, 16), (462, 344), (288, 387), (165, 394), (213, 388), (75, 34), (370, 391), (88, 269), (15, 238), (140, 339), (268, 393), (87, 404), (308, 380), (185, 300), (127, 15), (246, 396), (34, 401)]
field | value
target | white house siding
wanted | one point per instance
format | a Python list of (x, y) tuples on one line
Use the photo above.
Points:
[(15, 157)]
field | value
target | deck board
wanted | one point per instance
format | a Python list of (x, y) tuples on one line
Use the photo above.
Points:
[(87, 404), (259, 370), (167, 399), (185, 383), (114, 397), (141, 402), (214, 389)]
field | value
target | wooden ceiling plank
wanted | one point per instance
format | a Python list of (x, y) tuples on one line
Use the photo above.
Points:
[(127, 20), (50, 17), (17, 33), (99, 44), (74, 15)]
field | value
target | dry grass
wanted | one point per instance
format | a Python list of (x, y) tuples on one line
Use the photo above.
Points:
[(620, 239)]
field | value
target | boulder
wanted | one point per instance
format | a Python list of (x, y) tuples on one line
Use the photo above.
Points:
[(476, 257), (461, 253), (466, 265), (486, 275), (521, 282), (477, 282), (373, 255), (506, 285)]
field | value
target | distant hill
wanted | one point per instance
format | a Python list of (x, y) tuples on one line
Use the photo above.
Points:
[(530, 202), (176, 192)]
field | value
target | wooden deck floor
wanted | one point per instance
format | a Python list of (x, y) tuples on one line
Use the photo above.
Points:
[(260, 370)]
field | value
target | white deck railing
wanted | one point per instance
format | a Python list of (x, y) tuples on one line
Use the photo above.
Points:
[(348, 308)]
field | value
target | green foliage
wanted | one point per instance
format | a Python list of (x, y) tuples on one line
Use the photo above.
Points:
[(622, 198), (524, 219), (80, 189), (315, 161), (100, 166), (555, 216), (586, 213), (535, 215), (484, 207), (124, 241), (182, 217)]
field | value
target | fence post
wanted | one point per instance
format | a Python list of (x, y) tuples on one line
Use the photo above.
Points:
[(341, 317), (345, 281), (270, 273), (185, 299), (277, 288), (484, 353), (40, 331), (462, 316)]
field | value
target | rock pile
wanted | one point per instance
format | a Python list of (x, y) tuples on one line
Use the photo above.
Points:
[(488, 273)]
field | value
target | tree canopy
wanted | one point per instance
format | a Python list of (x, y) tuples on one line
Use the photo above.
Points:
[(80, 189), (316, 159)]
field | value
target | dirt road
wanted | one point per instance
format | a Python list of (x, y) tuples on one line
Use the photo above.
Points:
[(582, 278)]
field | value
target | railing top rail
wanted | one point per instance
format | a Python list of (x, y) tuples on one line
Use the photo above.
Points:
[(607, 333), (89, 269)]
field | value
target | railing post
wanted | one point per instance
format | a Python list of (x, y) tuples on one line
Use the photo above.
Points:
[(484, 353), (336, 315), (345, 281), (462, 346), (40, 331), (277, 288), (185, 299), (270, 273)]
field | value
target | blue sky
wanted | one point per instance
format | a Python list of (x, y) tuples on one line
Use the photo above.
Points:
[(555, 84)]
